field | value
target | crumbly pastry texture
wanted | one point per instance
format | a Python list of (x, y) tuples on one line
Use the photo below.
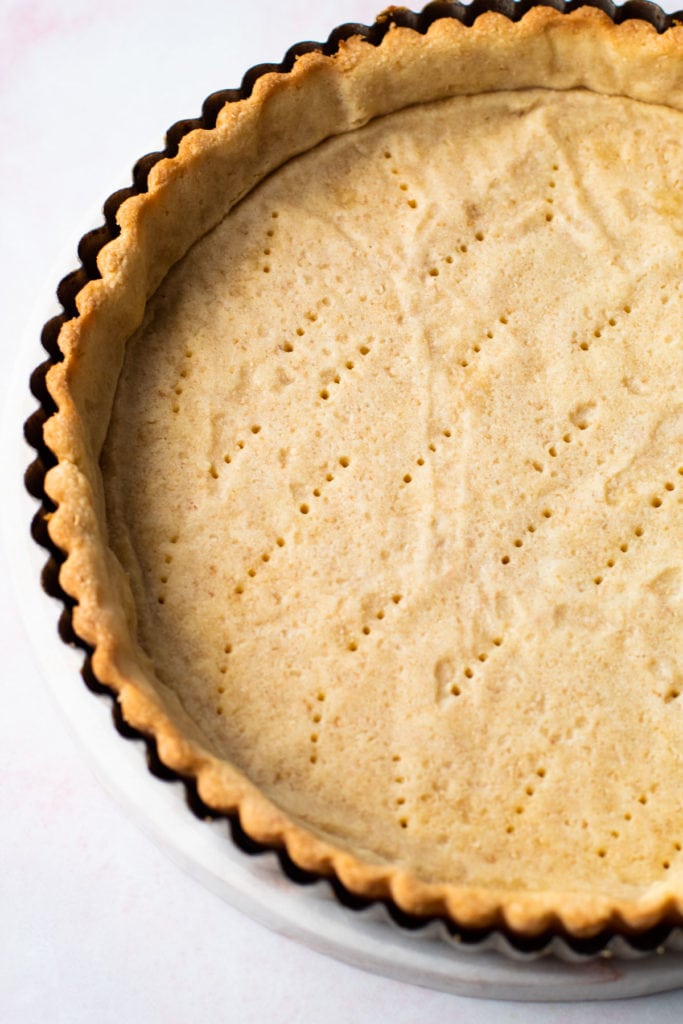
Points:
[(370, 470)]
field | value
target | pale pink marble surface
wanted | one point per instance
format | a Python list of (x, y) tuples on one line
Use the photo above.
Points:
[(95, 923)]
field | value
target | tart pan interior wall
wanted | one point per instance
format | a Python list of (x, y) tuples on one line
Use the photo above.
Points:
[(90, 246)]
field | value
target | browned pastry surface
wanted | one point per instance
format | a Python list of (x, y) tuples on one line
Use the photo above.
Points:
[(394, 471)]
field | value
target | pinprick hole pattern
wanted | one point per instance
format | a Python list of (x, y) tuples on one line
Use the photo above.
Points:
[(399, 798), (182, 375), (550, 196), (482, 656), (165, 576), (529, 791), (403, 186), (421, 460), (478, 346), (655, 503), (264, 559), (317, 720), (600, 330), (580, 417), (379, 615), (518, 543), (615, 834)]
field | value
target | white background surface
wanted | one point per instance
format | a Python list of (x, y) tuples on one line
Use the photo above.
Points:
[(96, 924)]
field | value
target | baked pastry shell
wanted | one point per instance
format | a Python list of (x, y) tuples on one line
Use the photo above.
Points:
[(358, 74)]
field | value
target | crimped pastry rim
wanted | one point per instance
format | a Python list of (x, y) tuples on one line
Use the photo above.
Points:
[(86, 574)]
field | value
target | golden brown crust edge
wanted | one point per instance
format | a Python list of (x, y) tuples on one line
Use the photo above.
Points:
[(322, 96)]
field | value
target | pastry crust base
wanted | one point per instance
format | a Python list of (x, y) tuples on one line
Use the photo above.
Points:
[(286, 115)]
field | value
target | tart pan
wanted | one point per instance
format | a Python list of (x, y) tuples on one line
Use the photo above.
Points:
[(555, 942)]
